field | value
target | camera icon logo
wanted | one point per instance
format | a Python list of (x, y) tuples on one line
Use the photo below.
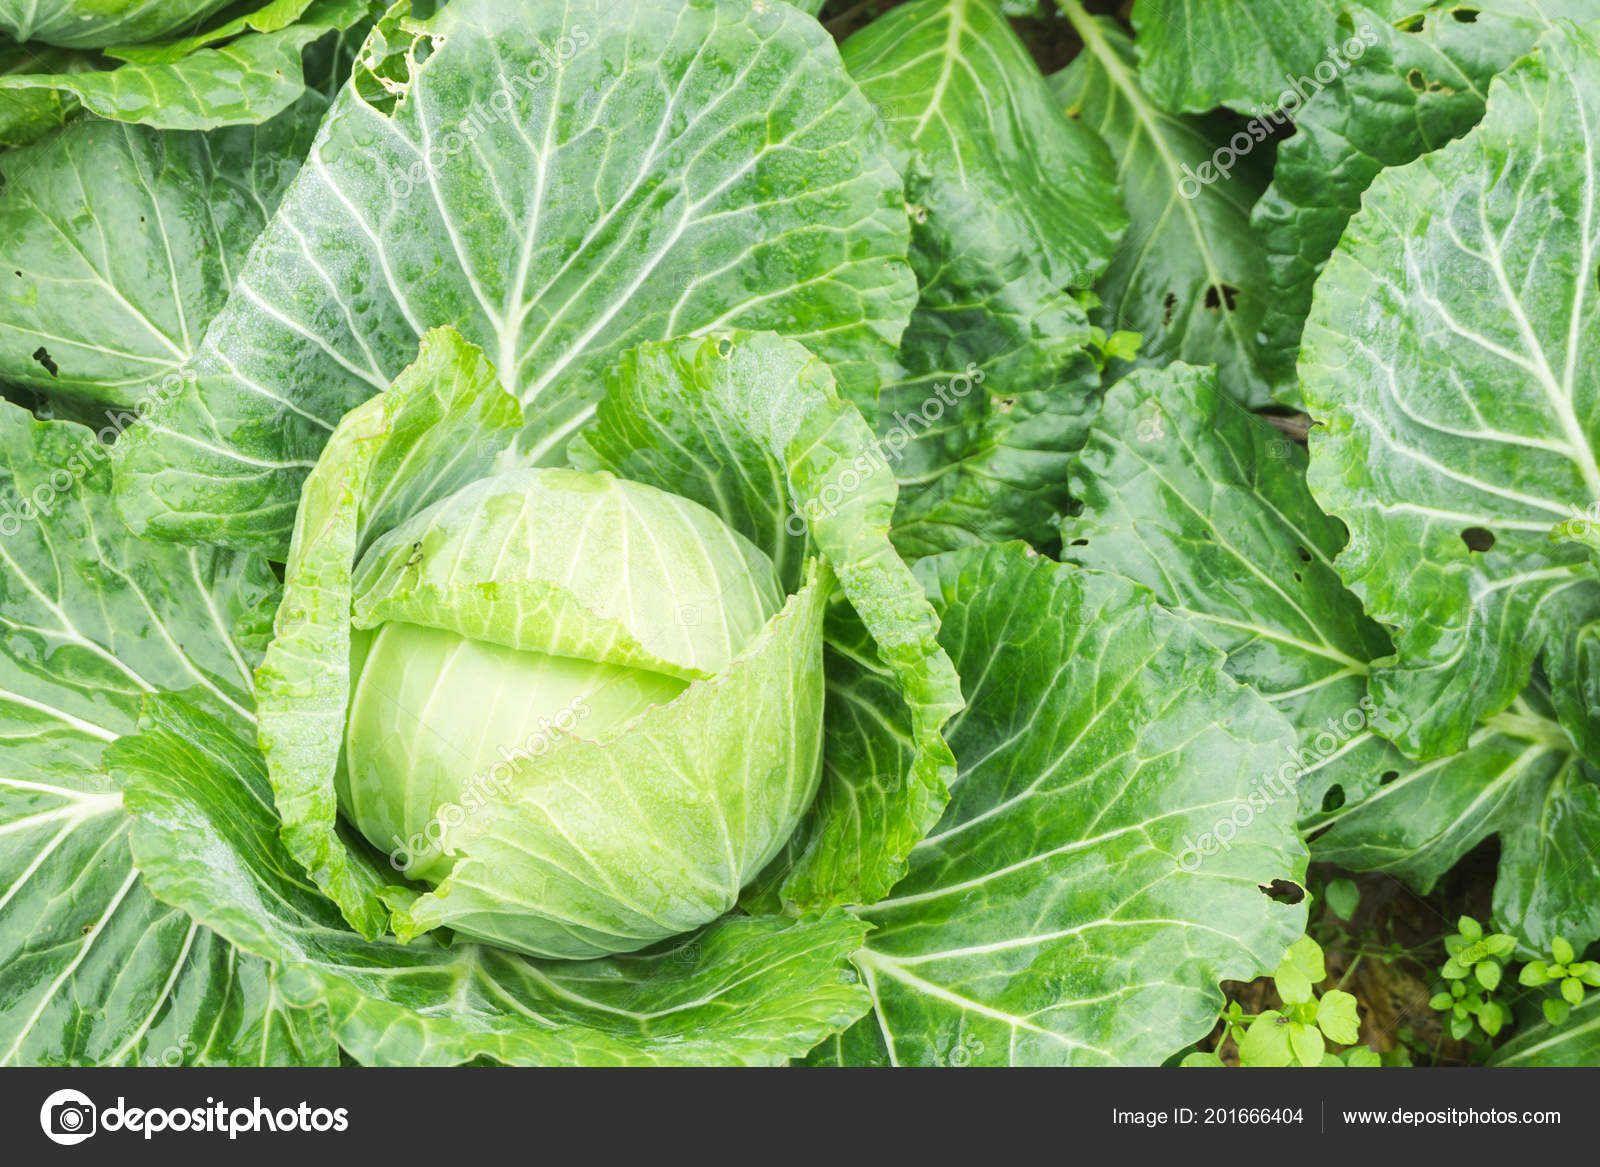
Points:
[(68, 1117)]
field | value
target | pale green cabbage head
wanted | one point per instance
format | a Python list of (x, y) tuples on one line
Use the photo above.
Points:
[(524, 732), (579, 710)]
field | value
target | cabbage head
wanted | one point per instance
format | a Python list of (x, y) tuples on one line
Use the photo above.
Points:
[(543, 614), (578, 709)]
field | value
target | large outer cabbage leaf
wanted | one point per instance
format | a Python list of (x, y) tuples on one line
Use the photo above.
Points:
[(1207, 505), (119, 244), (97, 971), (1189, 275), (1065, 911), (274, 15), (200, 86), (744, 991), (958, 91), (1013, 206), (1422, 83), (1451, 357), (558, 183), (1520, 778), (86, 24), (1244, 54)]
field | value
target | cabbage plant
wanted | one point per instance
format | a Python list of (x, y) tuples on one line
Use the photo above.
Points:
[(576, 710), (638, 532)]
